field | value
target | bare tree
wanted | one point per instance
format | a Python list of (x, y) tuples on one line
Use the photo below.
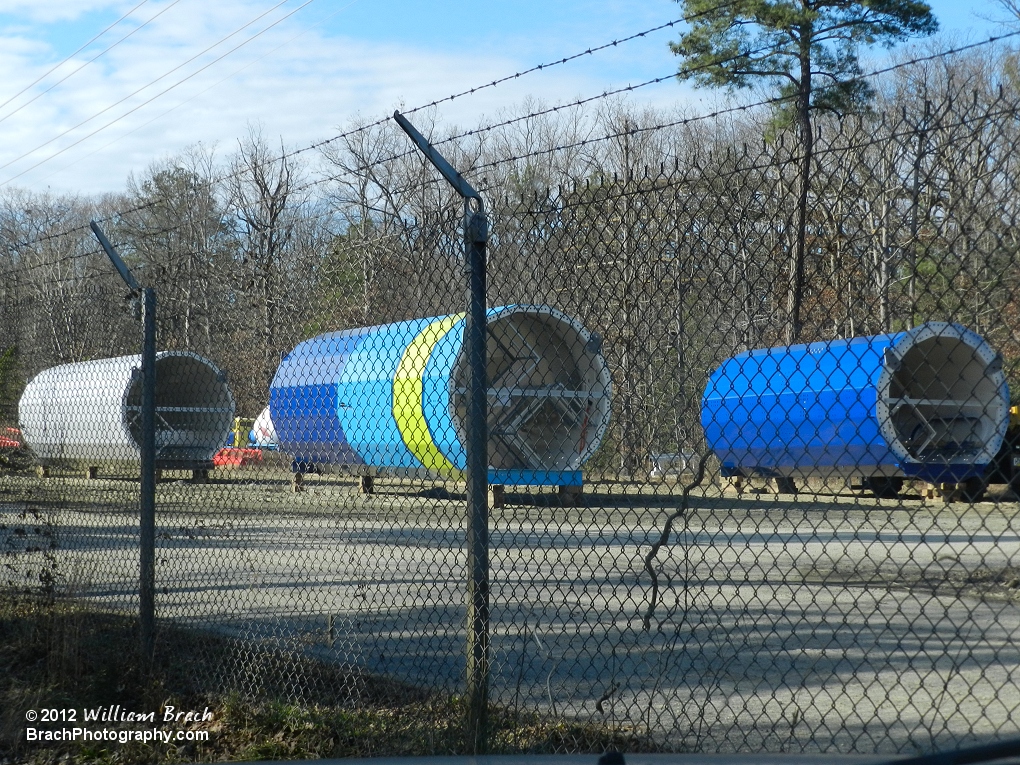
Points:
[(178, 232), (262, 196)]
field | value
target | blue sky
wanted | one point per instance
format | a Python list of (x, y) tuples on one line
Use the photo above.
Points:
[(304, 75)]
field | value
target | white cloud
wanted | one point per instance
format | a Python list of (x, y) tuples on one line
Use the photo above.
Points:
[(49, 11), (300, 86)]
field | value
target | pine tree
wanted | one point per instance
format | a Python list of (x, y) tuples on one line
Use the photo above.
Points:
[(809, 49)]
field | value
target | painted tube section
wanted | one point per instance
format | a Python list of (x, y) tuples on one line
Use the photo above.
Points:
[(331, 399), (391, 396), (409, 400), (89, 412), (931, 403)]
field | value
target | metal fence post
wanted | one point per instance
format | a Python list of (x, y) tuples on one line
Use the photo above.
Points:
[(147, 515), (476, 446), (147, 484)]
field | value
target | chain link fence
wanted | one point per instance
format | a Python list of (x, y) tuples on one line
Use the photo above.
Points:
[(740, 498)]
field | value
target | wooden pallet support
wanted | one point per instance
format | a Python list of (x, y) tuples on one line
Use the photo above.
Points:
[(784, 485), (571, 495), (947, 492), (734, 484), (367, 484), (497, 496)]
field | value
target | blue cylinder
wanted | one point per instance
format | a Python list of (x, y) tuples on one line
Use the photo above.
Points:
[(931, 403), (392, 397)]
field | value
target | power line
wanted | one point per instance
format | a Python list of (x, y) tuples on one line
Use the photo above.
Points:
[(71, 74), (205, 90), (55, 67), (148, 85)]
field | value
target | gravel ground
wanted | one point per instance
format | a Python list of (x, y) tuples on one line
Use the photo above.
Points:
[(822, 621)]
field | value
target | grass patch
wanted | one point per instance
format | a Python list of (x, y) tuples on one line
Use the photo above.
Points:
[(66, 656)]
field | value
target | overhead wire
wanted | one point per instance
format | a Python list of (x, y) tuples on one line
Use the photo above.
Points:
[(634, 130), (714, 114), (514, 120), (148, 85), (91, 60), (70, 56), (204, 90)]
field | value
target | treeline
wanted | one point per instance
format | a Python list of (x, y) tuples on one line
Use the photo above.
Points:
[(666, 234)]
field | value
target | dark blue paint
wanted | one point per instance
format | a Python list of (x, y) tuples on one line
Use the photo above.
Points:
[(303, 399)]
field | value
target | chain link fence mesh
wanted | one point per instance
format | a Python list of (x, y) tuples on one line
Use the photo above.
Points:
[(798, 523)]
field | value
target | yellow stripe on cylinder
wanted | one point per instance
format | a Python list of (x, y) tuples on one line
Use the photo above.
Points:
[(408, 403)]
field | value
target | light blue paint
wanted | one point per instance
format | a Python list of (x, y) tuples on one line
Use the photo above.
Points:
[(365, 395)]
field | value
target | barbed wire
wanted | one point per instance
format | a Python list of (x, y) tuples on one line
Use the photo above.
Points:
[(283, 156), (508, 78), (533, 115), (634, 187), (123, 247), (566, 59), (775, 101), (559, 202), (634, 129), (630, 130), (630, 88)]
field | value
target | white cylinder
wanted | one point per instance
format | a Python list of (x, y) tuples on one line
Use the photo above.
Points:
[(90, 412), (263, 431)]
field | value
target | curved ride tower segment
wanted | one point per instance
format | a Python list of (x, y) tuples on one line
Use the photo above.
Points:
[(931, 403), (392, 397)]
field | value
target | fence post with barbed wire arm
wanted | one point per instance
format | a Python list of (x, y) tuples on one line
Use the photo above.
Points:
[(147, 483), (476, 235)]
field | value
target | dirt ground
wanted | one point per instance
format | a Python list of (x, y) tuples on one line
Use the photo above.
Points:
[(821, 620)]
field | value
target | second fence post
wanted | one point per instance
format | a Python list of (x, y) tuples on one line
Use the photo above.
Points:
[(147, 520), (147, 483), (476, 446)]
